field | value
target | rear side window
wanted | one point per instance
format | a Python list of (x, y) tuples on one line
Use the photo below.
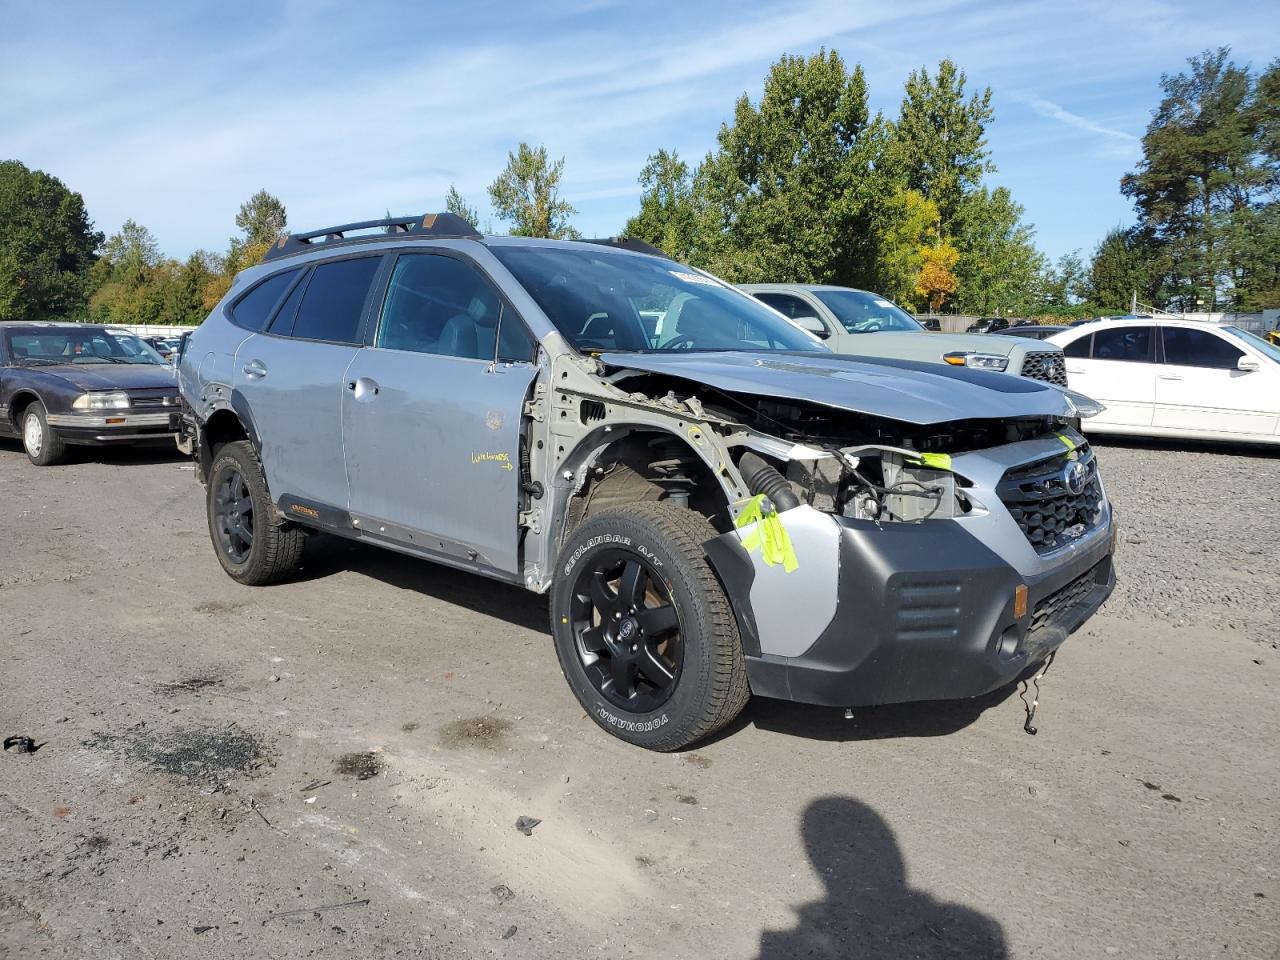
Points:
[(1079, 347), (331, 307), (1123, 343), (1198, 348), (253, 310)]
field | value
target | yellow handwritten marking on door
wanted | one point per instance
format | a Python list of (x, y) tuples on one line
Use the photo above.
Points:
[(501, 458)]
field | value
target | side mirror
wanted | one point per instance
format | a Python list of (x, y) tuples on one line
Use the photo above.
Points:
[(1248, 365), (815, 326)]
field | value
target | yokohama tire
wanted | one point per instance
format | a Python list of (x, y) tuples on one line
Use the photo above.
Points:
[(709, 688), (258, 549)]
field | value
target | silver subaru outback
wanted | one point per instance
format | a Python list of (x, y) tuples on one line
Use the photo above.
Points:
[(717, 504)]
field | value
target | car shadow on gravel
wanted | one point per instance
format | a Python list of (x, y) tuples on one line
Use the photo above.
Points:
[(326, 555), (938, 718), (151, 453), (869, 908), (1258, 450)]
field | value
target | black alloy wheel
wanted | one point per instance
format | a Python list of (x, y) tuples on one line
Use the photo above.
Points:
[(627, 631), (233, 515)]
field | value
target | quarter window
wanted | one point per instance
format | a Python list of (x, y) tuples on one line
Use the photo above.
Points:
[(445, 306), (1123, 343), (253, 310), (331, 307), (1198, 348)]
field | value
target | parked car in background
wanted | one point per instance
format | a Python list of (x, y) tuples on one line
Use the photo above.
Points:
[(160, 345), (718, 505), (1034, 331), (1176, 378), (989, 325), (64, 384), (864, 324), (932, 324)]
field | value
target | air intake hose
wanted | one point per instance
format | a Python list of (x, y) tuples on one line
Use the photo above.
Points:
[(762, 478)]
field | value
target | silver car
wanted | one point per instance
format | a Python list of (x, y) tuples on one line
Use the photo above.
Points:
[(843, 318), (717, 504)]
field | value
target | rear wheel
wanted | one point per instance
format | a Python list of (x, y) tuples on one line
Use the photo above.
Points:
[(252, 546), (44, 448), (642, 627)]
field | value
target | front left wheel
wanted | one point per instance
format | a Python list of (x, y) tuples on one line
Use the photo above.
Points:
[(643, 630), (44, 447)]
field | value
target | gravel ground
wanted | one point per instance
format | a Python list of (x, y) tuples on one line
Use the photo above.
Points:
[(1199, 535), (335, 767)]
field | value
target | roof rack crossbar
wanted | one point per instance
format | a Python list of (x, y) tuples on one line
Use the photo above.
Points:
[(426, 225)]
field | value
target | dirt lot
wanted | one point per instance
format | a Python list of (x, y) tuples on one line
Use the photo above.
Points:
[(217, 762)]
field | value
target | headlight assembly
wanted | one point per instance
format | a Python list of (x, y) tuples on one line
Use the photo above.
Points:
[(101, 401), (979, 361)]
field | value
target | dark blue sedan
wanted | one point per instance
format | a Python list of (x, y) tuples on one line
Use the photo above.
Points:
[(73, 383)]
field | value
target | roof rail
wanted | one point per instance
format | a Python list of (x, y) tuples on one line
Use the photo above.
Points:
[(629, 243), (429, 225)]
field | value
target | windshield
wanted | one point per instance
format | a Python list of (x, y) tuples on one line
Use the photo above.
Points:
[(605, 300), (861, 312), (58, 345), (1255, 341)]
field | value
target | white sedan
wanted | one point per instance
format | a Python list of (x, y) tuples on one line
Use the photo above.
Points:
[(1176, 378)]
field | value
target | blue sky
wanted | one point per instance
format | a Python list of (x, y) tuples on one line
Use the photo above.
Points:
[(173, 114)]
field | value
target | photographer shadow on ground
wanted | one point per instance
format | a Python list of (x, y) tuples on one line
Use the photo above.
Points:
[(870, 910)]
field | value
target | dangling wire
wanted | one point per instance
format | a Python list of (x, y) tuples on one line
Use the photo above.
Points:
[(1028, 724)]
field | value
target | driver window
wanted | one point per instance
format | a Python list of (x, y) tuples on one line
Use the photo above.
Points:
[(442, 305), (787, 305)]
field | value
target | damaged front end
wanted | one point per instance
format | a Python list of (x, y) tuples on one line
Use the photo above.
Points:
[(925, 559)]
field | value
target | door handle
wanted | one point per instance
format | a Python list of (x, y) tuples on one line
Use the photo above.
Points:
[(255, 369), (1076, 370), (1170, 376), (363, 388)]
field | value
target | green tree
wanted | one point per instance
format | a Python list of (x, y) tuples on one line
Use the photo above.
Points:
[(938, 145), (668, 216), (1205, 170), (527, 195), (783, 196), (454, 203), (1064, 284), (262, 218), (999, 267), (1122, 265), (47, 245), (905, 227)]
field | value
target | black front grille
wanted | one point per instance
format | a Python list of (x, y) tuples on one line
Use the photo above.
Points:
[(154, 398), (1058, 604), (1043, 365), (1054, 500)]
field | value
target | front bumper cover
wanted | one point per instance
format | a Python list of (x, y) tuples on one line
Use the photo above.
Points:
[(122, 427), (923, 612)]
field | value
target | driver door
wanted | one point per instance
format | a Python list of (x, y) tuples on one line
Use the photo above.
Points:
[(431, 414)]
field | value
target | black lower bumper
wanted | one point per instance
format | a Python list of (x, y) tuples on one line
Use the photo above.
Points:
[(927, 612)]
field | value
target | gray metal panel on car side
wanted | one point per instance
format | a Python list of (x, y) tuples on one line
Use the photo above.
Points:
[(902, 390)]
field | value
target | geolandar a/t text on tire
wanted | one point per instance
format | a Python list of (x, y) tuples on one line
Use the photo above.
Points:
[(718, 505)]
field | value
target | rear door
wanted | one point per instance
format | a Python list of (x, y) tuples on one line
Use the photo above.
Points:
[(1116, 365), (432, 411), (1199, 388), (290, 378)]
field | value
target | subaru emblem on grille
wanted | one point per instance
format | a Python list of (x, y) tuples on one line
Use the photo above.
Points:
[(1074, 477)]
